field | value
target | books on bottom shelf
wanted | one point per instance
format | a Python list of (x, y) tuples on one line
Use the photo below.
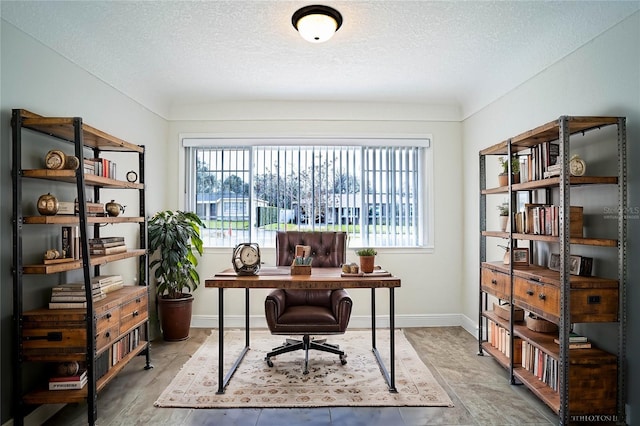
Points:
[(540, 364), (500, 338), (68, 382)]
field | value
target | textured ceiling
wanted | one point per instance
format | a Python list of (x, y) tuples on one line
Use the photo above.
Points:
[(165, 54)]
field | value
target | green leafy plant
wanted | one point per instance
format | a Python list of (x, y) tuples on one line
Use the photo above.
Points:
[(503, 209), (515, 165), (366, 252), (175, 236)]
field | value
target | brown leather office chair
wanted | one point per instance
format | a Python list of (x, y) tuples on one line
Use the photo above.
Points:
[(307, 312)]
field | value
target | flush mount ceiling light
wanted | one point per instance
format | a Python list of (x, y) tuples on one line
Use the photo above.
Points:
[(316, 23)]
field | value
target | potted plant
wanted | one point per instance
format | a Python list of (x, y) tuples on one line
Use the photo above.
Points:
[(515, 171), (367, 259), (503, 210), (175, 237)]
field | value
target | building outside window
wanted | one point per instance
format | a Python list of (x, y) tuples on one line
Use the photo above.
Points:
[(375, 192)]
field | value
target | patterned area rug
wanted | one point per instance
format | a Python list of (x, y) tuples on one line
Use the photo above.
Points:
[(329, 383)]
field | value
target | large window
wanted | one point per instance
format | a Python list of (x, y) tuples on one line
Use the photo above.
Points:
[(375, 192)]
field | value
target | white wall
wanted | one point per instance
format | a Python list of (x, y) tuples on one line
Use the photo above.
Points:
[(600, 78), (430, 293)]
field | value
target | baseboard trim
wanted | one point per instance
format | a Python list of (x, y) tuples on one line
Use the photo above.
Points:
[(39, 415)]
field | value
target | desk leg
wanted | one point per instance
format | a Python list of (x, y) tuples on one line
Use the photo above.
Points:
[(223, 382), (389, 375), (221, 385)]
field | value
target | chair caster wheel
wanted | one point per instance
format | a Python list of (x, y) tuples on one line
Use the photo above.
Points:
[(343, 359), (269, 363)]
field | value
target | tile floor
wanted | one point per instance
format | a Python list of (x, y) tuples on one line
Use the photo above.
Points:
[(477, 385)]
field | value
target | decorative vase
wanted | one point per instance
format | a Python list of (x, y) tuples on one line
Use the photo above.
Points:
[(114, 209), (504, 221), (175, 317), (367, 263)]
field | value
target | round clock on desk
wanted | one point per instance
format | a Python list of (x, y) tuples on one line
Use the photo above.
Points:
[(246, 259), (577, 166)]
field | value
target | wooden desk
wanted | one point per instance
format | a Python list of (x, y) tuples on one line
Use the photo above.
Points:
[(320, 278)]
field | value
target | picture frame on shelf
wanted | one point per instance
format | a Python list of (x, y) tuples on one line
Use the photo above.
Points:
[(520, 256), (554, 262)]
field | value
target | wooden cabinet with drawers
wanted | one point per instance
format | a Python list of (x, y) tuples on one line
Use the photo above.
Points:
[(573, 382), (105, 335)]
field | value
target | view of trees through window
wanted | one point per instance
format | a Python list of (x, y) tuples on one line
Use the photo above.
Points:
[(248, 193)]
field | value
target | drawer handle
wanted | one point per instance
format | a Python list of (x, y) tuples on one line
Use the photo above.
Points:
[(135, 313), (494, 281), (541, 296), (108, 315), (138, 300), (52, 336), (107, 334), (530, 292)]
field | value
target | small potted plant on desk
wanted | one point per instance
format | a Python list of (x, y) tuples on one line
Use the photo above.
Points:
[(367, 259), (503, 178), (175, 237)]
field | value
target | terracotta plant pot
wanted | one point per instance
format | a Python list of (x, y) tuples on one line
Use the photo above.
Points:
[(503, 181), (175, 317), (367, 263)]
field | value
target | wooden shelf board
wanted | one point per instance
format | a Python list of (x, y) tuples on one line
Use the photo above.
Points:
[(600, 242), (77, 264), (73, 219), (553, 183), (496, 354), (62, 128), (69, 176), (548, 132), (497, 234), (541, 390), (45, 396)]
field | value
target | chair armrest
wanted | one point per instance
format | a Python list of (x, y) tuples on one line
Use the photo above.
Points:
[(341, 304), (274, 306)]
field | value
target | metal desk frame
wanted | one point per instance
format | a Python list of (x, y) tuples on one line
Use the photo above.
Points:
[(320, 278)]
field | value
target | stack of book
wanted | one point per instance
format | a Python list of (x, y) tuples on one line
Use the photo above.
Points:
[(106, 245), (576, 341), (108, 283), (77, 381), (73, 296)]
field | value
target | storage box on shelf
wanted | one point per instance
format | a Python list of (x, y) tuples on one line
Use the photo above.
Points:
[(571, 381), (113, 328)]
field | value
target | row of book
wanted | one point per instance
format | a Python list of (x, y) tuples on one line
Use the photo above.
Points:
[(540, 364), (106, 245), (100, 167), (74, 296), (535, 163), (544, 219), (124, 346), (500, 338), (72, 249)]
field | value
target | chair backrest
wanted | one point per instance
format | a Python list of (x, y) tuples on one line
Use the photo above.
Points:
[(329, 249)]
